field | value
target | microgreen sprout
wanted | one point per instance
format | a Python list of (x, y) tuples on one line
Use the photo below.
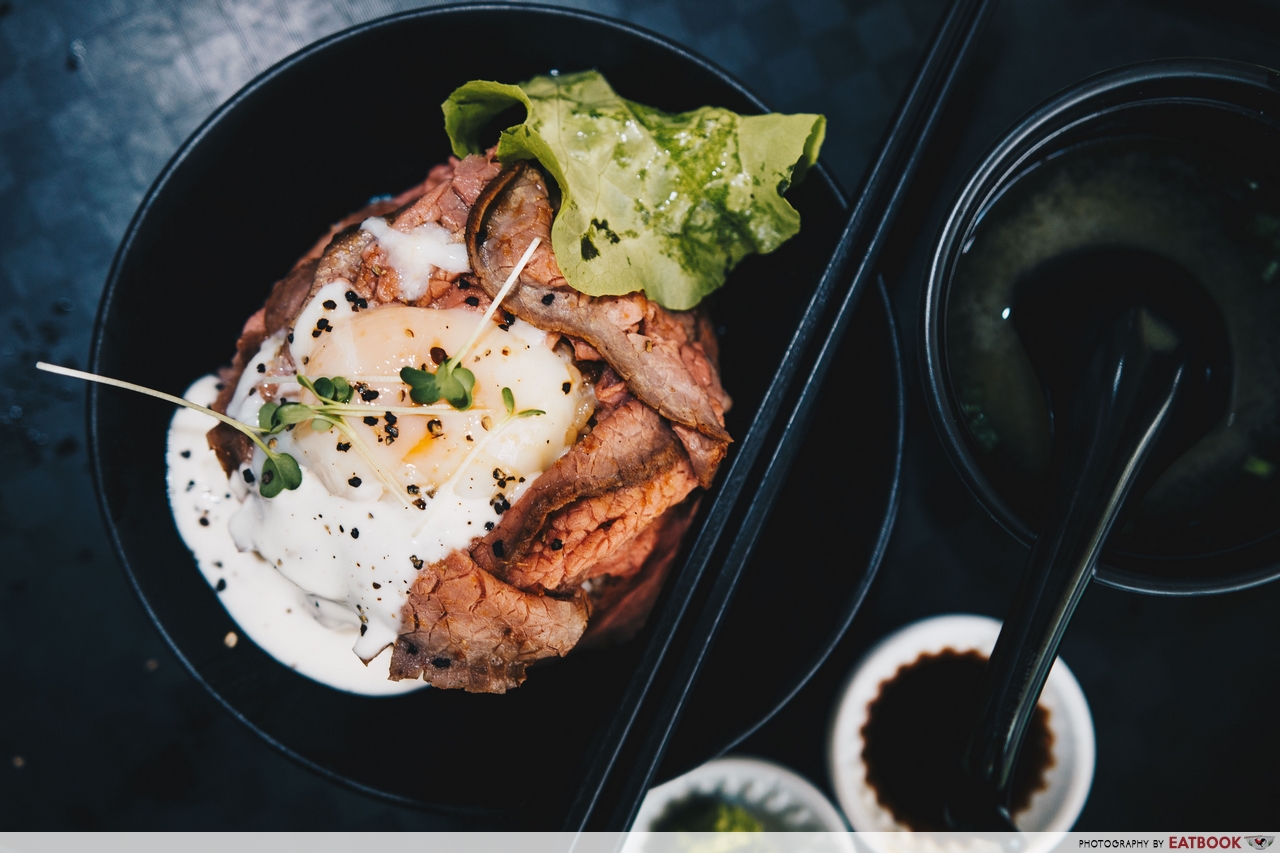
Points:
[(280, 470), (452, 382), (509, 402)]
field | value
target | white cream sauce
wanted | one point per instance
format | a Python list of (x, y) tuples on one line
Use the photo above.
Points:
[(305, 633), (345, 547), (416, 254)]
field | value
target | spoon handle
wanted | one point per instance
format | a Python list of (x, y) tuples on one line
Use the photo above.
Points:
[(1115, 417)]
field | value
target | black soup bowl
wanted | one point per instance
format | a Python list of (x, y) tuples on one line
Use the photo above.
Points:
[(1170, 166), (357, 116), (1102, 362)]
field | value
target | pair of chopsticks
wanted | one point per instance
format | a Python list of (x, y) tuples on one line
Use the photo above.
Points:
[(627, 758)]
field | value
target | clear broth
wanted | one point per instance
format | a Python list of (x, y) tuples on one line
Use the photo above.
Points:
[(1218, 221)]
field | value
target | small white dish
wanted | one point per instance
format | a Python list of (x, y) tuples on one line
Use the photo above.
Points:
[(1053, 809), (761, 787)]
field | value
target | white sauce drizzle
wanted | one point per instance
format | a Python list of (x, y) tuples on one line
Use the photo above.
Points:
[(304, 633), (416, 254)]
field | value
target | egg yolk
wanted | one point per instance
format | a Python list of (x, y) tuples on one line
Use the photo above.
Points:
[(424, 450)]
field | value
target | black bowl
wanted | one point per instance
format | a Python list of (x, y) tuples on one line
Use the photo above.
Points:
[(1161, 116), (355, 116)]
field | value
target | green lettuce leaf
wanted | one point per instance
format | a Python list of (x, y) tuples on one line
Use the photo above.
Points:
[(651, 201)]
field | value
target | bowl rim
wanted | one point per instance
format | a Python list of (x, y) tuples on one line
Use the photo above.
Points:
[(1003, 163), (818, 171), (757, 770)]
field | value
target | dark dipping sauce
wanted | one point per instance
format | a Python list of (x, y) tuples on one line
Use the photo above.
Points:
[(916, 728)]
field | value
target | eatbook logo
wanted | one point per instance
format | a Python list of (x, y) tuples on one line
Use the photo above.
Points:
[(1261, 842)]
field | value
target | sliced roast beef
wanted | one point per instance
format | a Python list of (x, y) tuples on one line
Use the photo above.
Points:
[(472, 631), (599, 495), (450, 203), (620, 603), (582, 540), (631, 446), (513, 209)]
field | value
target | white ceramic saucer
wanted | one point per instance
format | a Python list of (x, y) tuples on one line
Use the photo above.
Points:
[(1053, 809)]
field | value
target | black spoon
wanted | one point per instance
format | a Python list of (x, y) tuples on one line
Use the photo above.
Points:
[(1136, 364)]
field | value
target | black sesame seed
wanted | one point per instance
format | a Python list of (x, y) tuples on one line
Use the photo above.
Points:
[(329, 304), (221, 584), (368, 395), (420, 503), (435, 427), (488, 525), (412, 489), (204, 522), (322, 323), (390, 418), (363, 628), (186, 454), (248, 476), (556, 544), (441, 663), (548, 299), (351, 296), (362, 303), (341, 529), (290, 336), (315, 333), (510, 318), (473, 301), (417, 563), (410, 648), (262, 368), (355, 533), (354, 482), (438, 355), (377, 585), (566, 387), (499, 550), (370, 420), (344, 446), (392, 434)]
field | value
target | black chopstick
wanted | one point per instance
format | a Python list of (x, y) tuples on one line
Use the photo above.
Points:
[(864, 235)]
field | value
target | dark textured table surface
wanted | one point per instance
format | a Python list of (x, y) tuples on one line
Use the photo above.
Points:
[(99, 725)]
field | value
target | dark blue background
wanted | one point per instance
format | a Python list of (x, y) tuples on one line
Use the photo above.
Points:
[(99, 725)]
